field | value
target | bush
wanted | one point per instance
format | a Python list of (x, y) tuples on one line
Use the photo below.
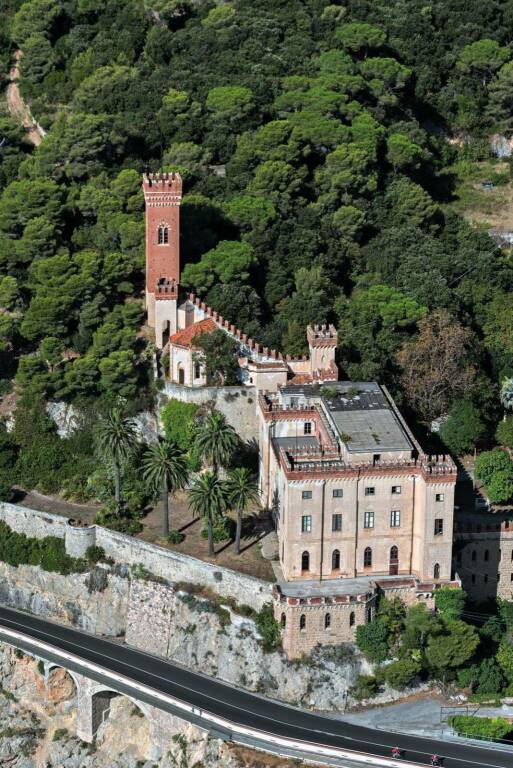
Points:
[(482, 727), (366, 687), (175, 537), (489, 462), (268, 627), (463, 428), (500, 486), (48, 553), (401, 673), (371, 639), (450, 602), (490, 678), (504, 433), (123, 523), (95, 554), (223, 529), (178, 421)]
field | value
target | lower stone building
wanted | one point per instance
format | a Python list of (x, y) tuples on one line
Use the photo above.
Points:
[(483, 554)]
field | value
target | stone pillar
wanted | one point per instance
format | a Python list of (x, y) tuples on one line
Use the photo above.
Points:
[(85, 727), (163, 726)]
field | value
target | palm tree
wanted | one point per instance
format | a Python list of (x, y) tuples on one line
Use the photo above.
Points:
[(207, 497), (165, 468), (242, 491), (116, 438), (507, 394), (216, 440)]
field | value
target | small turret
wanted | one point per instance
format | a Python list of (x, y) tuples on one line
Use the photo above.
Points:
[(322, 342)]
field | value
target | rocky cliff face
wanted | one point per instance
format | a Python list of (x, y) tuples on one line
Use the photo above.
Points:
[(95, 601), (37, 721), (227, 645)]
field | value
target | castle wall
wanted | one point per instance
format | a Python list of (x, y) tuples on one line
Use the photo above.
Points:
[(238, 404)]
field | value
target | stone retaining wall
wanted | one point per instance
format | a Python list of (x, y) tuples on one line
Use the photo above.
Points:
[(238, 404), (165, 563)]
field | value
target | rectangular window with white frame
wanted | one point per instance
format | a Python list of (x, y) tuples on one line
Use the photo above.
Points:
[(370, 491), (440, 497), (396, 490), (307, 428), (336, 522), (306, 524), (338, 493), (306, 494), (439, 526), (368, 519), (395, 518)]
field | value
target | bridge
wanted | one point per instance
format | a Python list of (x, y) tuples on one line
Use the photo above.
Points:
[(169, 694)]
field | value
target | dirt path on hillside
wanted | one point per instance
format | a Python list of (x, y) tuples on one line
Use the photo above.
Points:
[(17, 107)]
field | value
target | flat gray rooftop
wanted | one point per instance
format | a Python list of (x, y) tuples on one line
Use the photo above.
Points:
[(331, 587), (371, 430)]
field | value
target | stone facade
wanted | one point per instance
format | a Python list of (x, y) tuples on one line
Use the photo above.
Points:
[(483, 555), (358, 507)]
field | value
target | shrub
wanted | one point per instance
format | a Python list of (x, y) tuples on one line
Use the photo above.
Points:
[(48, 553), (463, 428), (450, 602), (490, 679), (223, 529), (59, 734), (268, 627), (489, 462), (500, 486), (482, 727), (504, 433), (371, 639), (175, 537), (123, 523), (366, 687), (95, 554), (401, 673)]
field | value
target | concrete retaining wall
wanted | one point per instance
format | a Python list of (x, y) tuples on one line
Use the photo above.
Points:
[(238, 404), (169, 565)]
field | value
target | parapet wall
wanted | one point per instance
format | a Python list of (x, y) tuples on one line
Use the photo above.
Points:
[(167, 564)]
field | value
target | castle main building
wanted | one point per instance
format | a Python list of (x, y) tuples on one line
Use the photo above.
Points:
[(359, 508)]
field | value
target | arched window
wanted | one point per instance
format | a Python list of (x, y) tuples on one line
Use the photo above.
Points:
[(163, 234), (305, 561), (367, 557), (197, 370), (283, 621), (436, 571), (327, 621), (394, 561), (335, 560), (302, 621), (351, 619)]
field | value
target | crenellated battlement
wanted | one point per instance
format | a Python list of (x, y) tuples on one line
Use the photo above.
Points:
[(322, 335), (162, 182)]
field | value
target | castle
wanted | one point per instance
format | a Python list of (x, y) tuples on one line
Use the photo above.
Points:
[(178, 318), (359, 509)]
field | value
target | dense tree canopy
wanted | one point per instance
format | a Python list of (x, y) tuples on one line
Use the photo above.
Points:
[(312, 141)]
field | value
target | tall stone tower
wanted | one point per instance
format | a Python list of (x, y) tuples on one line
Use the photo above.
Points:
[(163, 195)]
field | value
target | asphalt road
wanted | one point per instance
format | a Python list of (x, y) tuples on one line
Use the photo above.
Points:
[(244, 708)]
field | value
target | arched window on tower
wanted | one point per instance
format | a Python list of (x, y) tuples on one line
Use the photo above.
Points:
[(302, 621), (163, 234), (367, 557), (335, 560), (283, 621), (436, 571), (305, 561), (327, 621), (351, 619)]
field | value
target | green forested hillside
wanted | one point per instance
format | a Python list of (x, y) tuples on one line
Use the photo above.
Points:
[(313, 141)]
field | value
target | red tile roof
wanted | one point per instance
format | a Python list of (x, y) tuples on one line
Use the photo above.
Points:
[(185, 337)]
